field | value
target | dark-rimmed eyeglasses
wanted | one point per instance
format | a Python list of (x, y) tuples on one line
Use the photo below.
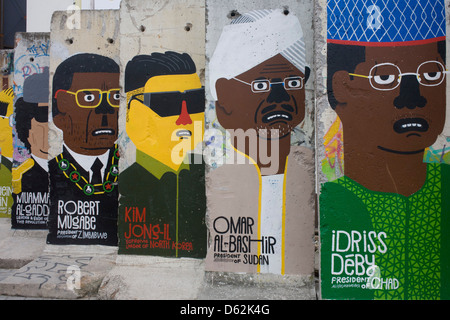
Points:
[(264, 85)]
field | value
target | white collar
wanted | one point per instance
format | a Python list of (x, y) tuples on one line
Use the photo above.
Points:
[(43, 163), (86, 161)]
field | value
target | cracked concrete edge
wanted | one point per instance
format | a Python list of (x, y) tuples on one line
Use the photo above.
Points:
[(46, 276)]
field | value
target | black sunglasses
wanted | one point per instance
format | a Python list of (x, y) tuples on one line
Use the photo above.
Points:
[(167, 104)]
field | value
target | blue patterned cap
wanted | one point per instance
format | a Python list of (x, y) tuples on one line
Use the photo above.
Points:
[(378, 22)]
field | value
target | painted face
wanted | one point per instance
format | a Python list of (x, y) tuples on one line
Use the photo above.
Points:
[(6, 140), (38, 137), (379, 112), (268, 96), (89, 112), (166, 121)]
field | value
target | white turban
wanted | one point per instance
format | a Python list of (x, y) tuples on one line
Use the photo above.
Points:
[(253, 38)]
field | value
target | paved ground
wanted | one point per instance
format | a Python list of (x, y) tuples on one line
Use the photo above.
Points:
[(32, 270)]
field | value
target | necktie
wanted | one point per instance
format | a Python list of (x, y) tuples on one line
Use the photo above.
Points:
[(96, 172)]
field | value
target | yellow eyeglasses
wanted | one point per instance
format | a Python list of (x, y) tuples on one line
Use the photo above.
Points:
[(91, 98)]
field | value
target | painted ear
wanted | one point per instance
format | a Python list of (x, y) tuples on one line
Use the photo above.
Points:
[(32, 138), (224, 103), (341, 86), (307, 73), (60, 121), (223, 94)]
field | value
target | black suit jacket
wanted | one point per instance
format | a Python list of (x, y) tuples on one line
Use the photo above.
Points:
[(78, 218)]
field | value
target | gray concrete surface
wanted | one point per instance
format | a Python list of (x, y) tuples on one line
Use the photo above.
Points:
[(19, 247)]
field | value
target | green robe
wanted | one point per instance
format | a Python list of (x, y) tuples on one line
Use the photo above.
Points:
[(407, 238)]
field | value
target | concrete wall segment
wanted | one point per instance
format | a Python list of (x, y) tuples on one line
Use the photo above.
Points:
[(32, 60), (86, 44), (94, 32), (338, 214), (225, 197), (162, 55)]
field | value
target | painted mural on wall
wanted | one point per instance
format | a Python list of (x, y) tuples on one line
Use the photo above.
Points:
[(162, 194), (6, 148), (30, 131), (83, 178), (30, 177), (259, 215), (384, 224)]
